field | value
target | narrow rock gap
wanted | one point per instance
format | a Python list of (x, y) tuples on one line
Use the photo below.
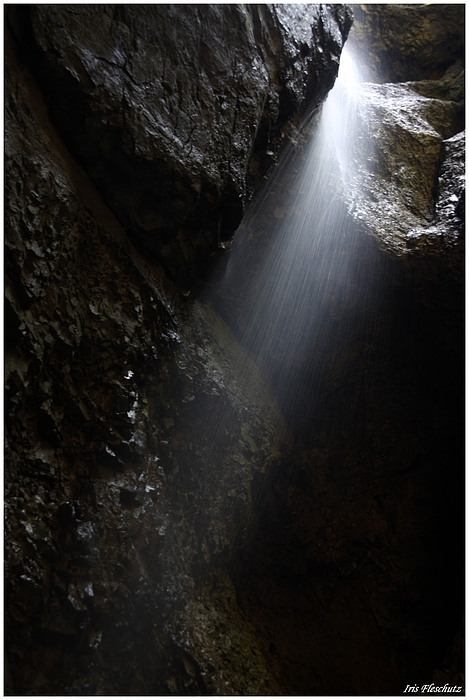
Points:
[(194, 507)]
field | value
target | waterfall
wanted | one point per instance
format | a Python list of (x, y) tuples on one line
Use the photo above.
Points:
[(292, 310)]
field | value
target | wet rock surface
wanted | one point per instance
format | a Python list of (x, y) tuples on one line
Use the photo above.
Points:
[(114, 387), (408, 42), (173, 111), (355, 535), (166, 531), (401, 139)]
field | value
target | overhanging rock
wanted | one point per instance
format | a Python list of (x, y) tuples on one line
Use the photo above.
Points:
[(172, 108)]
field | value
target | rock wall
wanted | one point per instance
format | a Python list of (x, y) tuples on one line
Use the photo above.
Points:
[(344, 573), (401, 42), (138, 432), (167, 530), (171, 111)]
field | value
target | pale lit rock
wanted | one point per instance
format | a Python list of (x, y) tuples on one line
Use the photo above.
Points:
[(395, 163)]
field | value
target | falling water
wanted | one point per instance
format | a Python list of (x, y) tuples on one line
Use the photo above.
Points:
[(301, 294)]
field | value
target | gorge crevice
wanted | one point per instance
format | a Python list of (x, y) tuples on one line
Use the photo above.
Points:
[(184, 514)]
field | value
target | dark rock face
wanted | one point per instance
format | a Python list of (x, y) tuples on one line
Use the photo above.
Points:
[(101, 471), (166, 531), (354, 539), (172, 109), (138, 432), (405, 42), (350, 552)]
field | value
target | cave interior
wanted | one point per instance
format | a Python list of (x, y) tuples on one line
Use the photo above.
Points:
[(234, 460)]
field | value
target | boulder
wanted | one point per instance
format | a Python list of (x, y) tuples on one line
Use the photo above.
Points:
[(171, 109), (399, 140)]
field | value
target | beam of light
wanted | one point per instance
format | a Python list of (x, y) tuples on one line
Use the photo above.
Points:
[(289, 314)]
